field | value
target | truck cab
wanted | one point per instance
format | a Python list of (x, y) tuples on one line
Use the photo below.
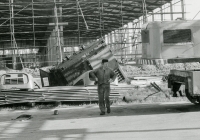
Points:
[(18, 81)]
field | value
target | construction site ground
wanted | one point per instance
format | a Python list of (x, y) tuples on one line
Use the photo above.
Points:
[(155, 121)]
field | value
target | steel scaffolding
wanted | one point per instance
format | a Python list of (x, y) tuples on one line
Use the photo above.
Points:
[(44, 32)]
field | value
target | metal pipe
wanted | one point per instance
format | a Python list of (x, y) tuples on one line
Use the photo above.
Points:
[(58, 31), (78, 24), (171, 10), (14, 41), (100, 17), (82, 15), (11, 38), (63, 31), (33, 23), (89, 15), (161, 15), (183, 9)]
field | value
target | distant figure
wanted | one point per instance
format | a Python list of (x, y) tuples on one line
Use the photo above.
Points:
[(103, 77)]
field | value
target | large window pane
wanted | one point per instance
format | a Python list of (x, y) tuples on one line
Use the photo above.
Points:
[(177, 36)]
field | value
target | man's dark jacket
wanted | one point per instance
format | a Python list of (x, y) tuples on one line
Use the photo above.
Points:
[(103, 75)]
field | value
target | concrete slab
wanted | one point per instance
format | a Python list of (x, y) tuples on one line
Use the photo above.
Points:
[(174, 121)]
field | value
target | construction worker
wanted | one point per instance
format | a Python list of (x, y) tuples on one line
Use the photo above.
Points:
[(103, 77)]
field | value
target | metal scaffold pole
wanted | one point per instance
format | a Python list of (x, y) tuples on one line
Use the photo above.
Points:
[(33, 30), (78, 26), (144, 11), (14, 41), (58, 31), (183, 9)]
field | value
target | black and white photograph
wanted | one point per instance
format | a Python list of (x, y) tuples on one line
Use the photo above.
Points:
[(99, 69)]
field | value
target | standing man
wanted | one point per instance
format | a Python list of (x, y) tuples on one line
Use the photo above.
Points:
[(103, 77)]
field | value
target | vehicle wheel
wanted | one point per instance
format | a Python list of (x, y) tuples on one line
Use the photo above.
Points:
[(193, 100), (175, 89)]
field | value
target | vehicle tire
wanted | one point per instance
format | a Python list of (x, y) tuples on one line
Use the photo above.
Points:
[(175, 89), (194, 100)]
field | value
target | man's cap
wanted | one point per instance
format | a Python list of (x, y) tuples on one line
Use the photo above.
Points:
[(104, 60)]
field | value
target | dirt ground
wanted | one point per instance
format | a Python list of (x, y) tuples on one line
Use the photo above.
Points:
[(174, 121)]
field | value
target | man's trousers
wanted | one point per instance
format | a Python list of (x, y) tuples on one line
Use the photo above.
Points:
[(104, 93)]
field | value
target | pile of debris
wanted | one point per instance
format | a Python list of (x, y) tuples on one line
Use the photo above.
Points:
[(157, 70), (87, 59), (34, 72)]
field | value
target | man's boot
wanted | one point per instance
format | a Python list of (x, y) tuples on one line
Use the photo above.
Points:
[(108, 110), (102, 113)]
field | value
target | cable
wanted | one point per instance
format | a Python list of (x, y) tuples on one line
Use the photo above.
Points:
[(82, 15), (196, 15)]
